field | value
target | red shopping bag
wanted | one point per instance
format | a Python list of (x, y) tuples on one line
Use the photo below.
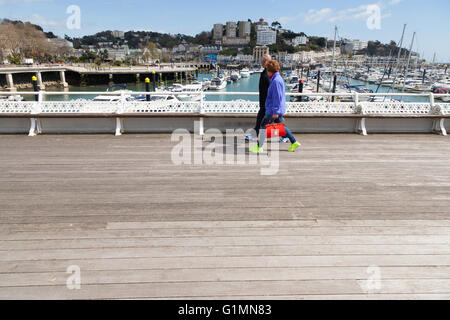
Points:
[(275, 130)]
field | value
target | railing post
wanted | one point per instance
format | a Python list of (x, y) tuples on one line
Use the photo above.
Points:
[(201, 128), (202, 99), (362, 122), (35, 125), (442, 126), (32, 131), (439, 124), (119, 127)]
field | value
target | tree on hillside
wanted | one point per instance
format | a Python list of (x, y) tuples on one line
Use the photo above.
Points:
[(203, 38), (276, 25), (376, 48), (229, 52), (318, 41), (150, 52), (10, 40), (103, 55), (87, 56), (2, 56), (23, 41)]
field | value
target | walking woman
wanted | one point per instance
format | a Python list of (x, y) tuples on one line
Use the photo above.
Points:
[(275, 107)]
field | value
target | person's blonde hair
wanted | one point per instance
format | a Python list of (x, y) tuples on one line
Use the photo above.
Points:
[(266, 57), (273, 66)]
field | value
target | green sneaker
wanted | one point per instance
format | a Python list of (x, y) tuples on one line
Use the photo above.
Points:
[(256, 149), (294, 146)]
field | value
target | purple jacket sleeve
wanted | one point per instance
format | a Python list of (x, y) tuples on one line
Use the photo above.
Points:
[(276, 98)]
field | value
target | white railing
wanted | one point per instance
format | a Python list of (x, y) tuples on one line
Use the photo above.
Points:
[(357, 104)]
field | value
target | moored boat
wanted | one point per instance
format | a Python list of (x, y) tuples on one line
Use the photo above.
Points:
[(218, 83)]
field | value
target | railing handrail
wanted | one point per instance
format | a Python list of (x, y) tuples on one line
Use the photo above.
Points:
[(207, 93)]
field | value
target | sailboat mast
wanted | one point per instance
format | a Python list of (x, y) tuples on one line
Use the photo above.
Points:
[(407, 65), (334, 52), (397, 66), (400, 49)]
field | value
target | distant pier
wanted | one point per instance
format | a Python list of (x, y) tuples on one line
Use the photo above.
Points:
[(12, 78)]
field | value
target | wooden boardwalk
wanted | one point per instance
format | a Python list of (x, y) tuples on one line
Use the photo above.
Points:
[(347, 217)]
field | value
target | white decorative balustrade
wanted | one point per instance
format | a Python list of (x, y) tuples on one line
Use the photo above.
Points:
[(78, 106), (237, 106), (140, 107), (397, 108), (14, 107), (321, 107), (444, 108), (360, 107), (241, 107), (230, 107)]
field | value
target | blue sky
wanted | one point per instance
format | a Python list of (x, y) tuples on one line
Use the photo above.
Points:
[(429, 19)]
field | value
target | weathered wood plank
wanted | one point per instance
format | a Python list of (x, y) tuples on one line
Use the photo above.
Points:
[(221, 274), (222, 251), (363, 261), (259, 288), (6, 228), (219, 241), (225, 232)]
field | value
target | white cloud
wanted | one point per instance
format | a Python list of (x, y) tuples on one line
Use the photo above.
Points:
[(394, 2), (42, 21), (39, 20), (286, 20), (316, 16), (349, 14)]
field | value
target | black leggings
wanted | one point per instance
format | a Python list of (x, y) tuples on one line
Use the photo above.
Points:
[(259, 120)]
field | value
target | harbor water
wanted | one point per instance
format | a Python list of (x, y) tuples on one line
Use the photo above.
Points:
[(250, 84)]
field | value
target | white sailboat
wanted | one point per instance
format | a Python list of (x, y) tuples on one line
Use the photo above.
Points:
[(245, 73), (11, 98), (188, 92), (218, 83), (116, 94)]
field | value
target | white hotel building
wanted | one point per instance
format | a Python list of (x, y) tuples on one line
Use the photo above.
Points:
[(265, 35), (300, 40)]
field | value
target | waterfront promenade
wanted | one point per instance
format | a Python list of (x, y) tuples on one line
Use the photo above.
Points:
[(9, 76), (351, 209), (86, 68)]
